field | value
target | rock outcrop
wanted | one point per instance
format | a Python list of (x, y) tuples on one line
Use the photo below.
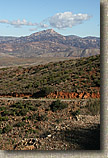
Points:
[(73, 95), (57, 95)]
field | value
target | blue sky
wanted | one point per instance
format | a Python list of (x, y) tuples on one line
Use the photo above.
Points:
[(68, 17)]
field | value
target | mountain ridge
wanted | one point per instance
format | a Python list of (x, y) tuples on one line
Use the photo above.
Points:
[(49, 43)]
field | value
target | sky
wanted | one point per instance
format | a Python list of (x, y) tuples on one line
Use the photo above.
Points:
[(67, 17)]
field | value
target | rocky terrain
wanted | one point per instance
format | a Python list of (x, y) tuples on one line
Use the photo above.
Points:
[(55, 106), (50, 125), (49, 43)]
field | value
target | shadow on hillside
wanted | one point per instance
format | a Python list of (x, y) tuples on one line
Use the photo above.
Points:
[(85, 139), (38, 94)]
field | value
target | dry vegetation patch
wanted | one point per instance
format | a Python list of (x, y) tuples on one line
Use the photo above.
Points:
[(72, 125)]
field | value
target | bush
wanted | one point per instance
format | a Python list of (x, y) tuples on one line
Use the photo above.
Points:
[(32, 108), (25, 118), (2, 108), (23, 112), (46, 90), (7, 129), (57, 105), (37, 117), (19, 124), (33, 131), (93, 106), (4, 113), (17, 105), (21, 109), (4, 118), (0, 131), (75, 113)]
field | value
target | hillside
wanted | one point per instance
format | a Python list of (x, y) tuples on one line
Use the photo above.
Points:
[(55, 106), (49, 43), (34, 125), (77, 78)]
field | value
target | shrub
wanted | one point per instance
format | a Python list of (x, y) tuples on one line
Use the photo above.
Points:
[(4, 113), (58, 105), (33, 131), (21, 109), (4, 118), (33, 108), (37, 117), (93, 106), (7, 129), (42, 118), (37, 105), (17, 105), (23, 112), (46, 90), (33, 117), (97, 82), (75, 113), (2, 108), (25, 118), (19, 124), (0, 131), (59, 120)]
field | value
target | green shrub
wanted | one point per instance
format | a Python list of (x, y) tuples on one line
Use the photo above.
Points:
[(19, 124), (97, 82), (36, 117), (17, 105), (25, 118), (75, 113), (32, 131), (37, 105), (58, 105), (33, 117), (42, 118), (93, 106), (23, 112), (4, 113), (32, 108), (3, 118), (0, 131), (21, 109), (59, 120), (2, 108), (7, 129), (46, 90)]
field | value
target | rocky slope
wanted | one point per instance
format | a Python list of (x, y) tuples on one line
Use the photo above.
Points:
[(51, 124), (33, 125), (77, 78), (49, 43)]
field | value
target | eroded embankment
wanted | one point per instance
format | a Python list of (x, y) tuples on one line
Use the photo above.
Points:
[(73, 95), (55, 95)]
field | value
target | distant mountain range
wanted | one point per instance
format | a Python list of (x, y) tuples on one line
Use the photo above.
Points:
[(49, 43)]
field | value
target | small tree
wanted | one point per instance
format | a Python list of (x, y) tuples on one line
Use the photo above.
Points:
[(46, 90), (58, 105)]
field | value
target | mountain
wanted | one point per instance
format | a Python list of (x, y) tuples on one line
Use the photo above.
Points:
[(49, 43), (4, 39)]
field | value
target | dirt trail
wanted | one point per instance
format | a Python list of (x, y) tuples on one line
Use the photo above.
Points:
[(40, 99)]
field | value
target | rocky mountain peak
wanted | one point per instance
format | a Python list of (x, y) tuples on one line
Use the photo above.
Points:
[(46, 32), (50, 31)]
